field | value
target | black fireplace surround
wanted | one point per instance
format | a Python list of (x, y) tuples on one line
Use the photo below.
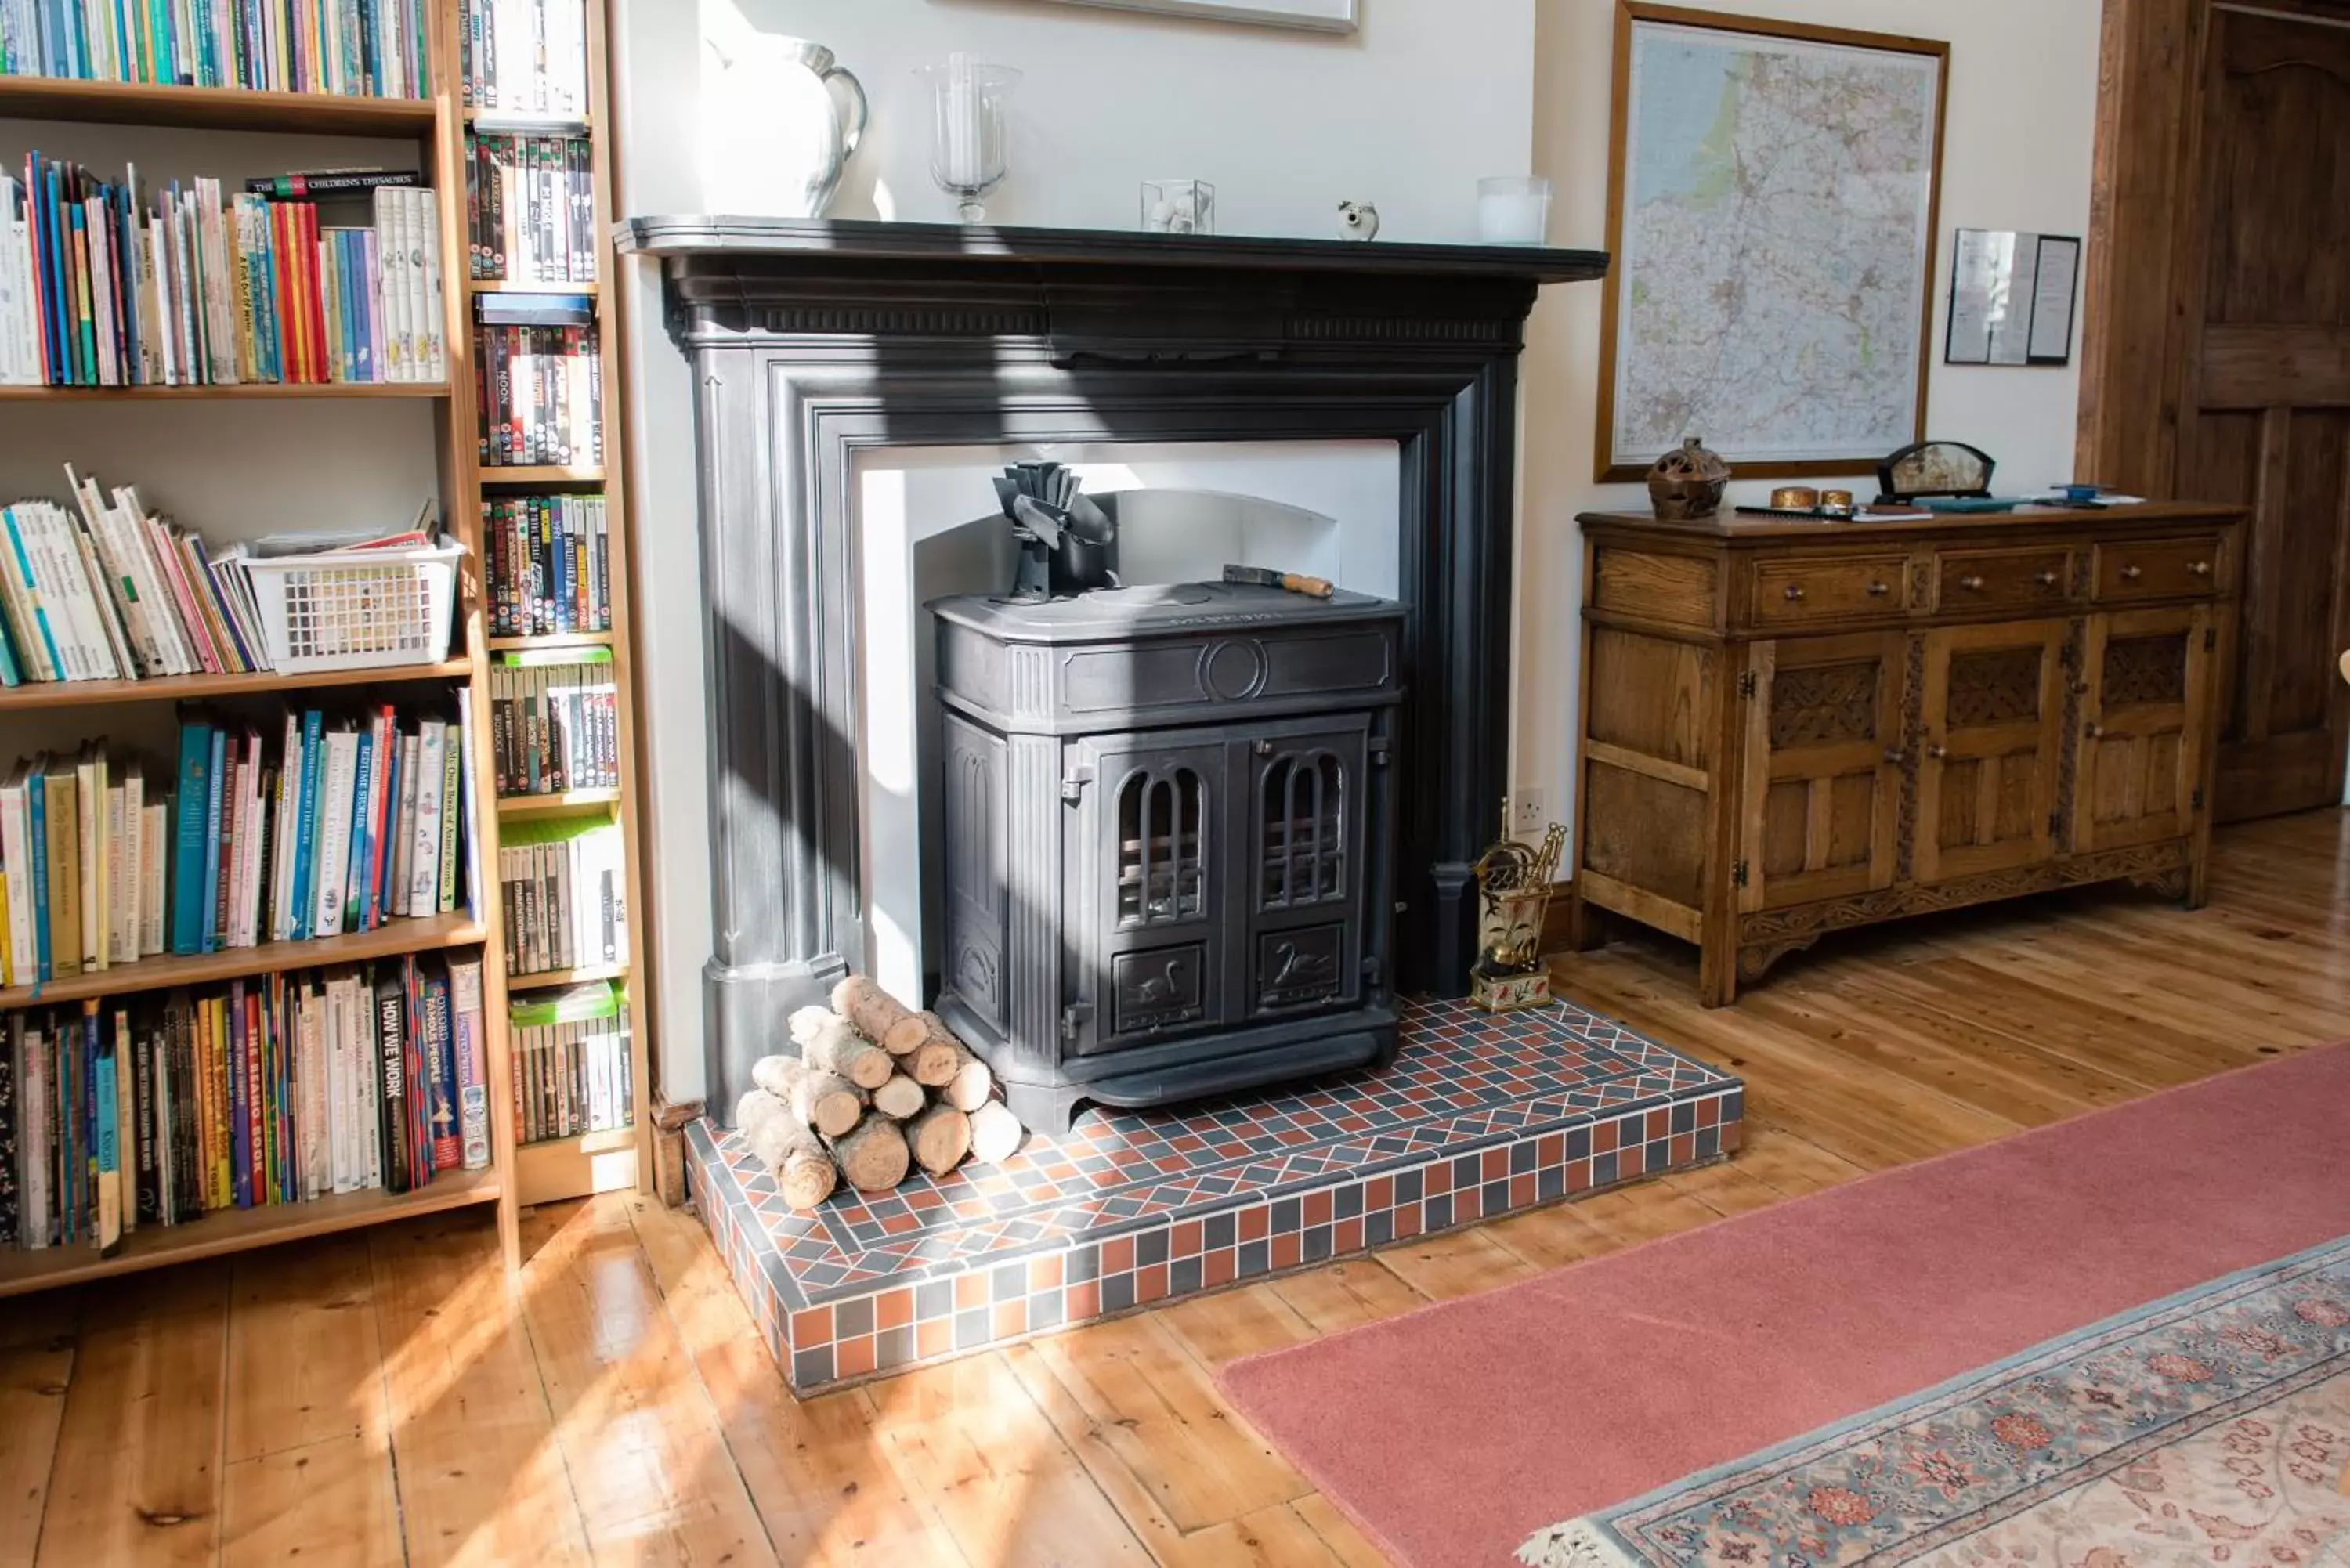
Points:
[(811, 342)]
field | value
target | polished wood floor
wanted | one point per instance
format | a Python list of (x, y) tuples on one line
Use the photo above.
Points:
[(389, 1399)]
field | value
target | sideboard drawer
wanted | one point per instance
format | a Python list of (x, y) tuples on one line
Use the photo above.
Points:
[(1800, 591), (2158, 569), (2001, 579)]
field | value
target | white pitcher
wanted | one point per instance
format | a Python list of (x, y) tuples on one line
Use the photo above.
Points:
[(779, 118)]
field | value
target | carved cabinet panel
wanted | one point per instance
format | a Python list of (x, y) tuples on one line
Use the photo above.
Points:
[(1822, 810), (2145, 727), (1990, 748)]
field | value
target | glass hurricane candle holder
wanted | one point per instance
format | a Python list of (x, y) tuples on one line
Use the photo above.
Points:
[(1179, 207), (968, 150)]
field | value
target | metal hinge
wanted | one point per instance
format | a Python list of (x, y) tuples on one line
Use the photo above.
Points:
[(1738, 875), (1749, 683), (1074, 1019), (1073, 784), (2210, 638), (1371, 971), (1379, 744)]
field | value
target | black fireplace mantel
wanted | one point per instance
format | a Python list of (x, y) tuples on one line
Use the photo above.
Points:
[(812, 341)]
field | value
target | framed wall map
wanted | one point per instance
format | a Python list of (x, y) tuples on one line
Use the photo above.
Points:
[(1773, 202)]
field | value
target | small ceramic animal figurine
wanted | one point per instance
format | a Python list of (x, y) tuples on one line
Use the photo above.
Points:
[(1357, 221)]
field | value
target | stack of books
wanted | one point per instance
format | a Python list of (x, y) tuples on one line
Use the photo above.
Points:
[(548, 564), (566, 891), (103, 283), (118, 593), (555, 721), (541, 380), (525, 56), (572, 1071), (283, 1089), (83, 852), (532, 207), (363, 48)]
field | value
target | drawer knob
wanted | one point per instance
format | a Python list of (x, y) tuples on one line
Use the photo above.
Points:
[(2046, 579), (1938, 752), (2094, 732), (1895, 755), (1971, 583), (1878, 590), (1794, 592), (2199, 568), (1265, 748), (2132, 574)]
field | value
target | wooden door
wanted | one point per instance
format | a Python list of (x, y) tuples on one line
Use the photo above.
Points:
[(1825, 753), (2143, 721), (2217, 355), (1991, 747)]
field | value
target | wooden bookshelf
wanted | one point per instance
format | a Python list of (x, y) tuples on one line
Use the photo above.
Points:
[(16, 393), (393, 939), (439, 124), (553, 979), (491, 286), (227, 1230), (570, 803), (550, 641), (214, 109), (34, 696)]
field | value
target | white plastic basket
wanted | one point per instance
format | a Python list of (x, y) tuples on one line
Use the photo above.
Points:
[(357, 609)]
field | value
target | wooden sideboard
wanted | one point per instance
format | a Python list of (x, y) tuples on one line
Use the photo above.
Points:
[(1790, 728)]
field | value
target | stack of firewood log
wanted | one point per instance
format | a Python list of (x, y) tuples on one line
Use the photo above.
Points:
[(877, 1088)]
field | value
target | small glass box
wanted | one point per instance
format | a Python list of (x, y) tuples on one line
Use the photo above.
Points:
[(1179, 207)]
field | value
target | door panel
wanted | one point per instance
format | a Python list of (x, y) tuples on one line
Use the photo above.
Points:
[(1991, 748), (1308, 813), (2143, 722), (1821, 817), (2266, 282)]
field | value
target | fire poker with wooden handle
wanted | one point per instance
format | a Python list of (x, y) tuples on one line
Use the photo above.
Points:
[(1294, 582)]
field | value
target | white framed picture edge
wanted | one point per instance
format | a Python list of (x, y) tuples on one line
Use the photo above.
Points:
[(1319, 15)]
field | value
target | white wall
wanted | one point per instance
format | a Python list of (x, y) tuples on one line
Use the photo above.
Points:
[(1408, 112), (2016, 154)]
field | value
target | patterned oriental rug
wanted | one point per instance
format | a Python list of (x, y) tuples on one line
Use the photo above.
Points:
[(2212, 1427), (2069, 1424)]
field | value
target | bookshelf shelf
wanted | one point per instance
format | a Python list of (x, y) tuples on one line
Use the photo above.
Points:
[(552, 640), (35, 696), (212, 109), (502, 286), (429, 933), (237, 1229), (559, 1168), (514, 807), (496, 120), (537, 476), (404, 390), (550, 979)]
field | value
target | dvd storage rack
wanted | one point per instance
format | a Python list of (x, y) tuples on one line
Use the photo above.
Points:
[(440, 124)]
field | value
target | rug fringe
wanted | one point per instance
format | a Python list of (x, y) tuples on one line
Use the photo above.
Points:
[(1577, 1543)]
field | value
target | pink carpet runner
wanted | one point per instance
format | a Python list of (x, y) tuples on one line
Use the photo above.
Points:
[(1452, 1433)]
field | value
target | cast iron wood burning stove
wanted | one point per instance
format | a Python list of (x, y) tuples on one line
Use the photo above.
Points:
[(1168, 822)]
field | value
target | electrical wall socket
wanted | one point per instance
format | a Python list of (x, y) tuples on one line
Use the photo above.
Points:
[(1529, 812)]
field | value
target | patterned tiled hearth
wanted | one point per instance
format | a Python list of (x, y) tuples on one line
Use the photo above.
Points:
[(1477, 1116)]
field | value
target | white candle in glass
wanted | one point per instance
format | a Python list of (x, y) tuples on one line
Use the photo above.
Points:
[(963, 123), (1512, 212)]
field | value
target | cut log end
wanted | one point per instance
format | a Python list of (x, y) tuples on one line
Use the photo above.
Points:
[(900, 1097), (971, 1085), (995, 1133), (804, 1174), (806, 1020), (939, 1138), (938, 1057), (873, 1010), (838, 1047), (874, 1156)]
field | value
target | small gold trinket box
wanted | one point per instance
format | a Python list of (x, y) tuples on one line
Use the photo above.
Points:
[(1794, 498), (1836, 503)]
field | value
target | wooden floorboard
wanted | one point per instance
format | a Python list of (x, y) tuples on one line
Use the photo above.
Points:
[(394, 1398)]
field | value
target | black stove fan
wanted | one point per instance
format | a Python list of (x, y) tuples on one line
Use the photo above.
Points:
[(1068, 544)]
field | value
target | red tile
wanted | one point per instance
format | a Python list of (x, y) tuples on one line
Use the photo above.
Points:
[(1011, 1320), (1045, 1272), (893, 1309), (1288, 1250), (1602, 1138), (1549, 1150), (1216, 1268), (1660, 1125), (1256, 1223), (853, 1357), (1378, 1193), (1346, 1236), (971, 1291), (1436, 1180), (1317, 1208), (933, 1338), (1407, 1220), (1683, 1148), (1495, 1165), (1117, 1257), (1084, 1302), (1708, 1111), (1578, 1175), (1185, 1241), (898, 1224), (811, 1328), (1468, 1204), (1522, 1192), (1150, 1283), (1731, 1134)]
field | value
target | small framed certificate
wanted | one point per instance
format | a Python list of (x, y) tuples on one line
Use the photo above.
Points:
[(2011, 298)]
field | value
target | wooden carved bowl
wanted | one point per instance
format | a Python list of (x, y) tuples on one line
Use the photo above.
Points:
[(1687, 482)]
